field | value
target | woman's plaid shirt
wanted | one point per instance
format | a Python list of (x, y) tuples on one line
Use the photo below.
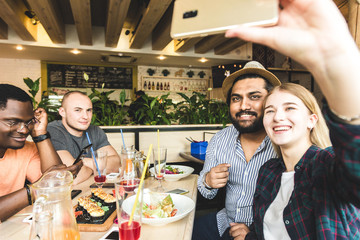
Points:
[(326, 198)]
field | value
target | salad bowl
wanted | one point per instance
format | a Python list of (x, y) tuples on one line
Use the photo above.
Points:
[(171, 176), (183, 204)]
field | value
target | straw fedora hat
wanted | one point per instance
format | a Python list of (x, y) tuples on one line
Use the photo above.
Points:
[(252, 67)]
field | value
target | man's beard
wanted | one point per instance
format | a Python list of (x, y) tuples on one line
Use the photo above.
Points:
[(256, 126)]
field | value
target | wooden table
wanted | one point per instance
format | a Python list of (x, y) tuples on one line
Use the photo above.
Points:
[(15, 229), (188, 156)]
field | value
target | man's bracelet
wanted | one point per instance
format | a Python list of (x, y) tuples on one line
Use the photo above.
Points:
[(41, 137), (205, 184), (29, 196)]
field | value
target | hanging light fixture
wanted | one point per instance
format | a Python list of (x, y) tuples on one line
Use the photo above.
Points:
[(32, 16)]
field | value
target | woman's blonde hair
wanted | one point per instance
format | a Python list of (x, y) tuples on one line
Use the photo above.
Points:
[(319, 135)]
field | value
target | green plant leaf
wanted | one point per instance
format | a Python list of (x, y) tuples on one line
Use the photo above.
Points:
[(153, 103)]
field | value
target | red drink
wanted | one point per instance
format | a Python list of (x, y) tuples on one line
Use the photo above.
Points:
[(100, 179), (131, 184), (160, 176), (131, 232)]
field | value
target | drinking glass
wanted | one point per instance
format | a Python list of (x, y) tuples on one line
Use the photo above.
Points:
[(125, 201), (127, 157), (159, 158), (99, 168)]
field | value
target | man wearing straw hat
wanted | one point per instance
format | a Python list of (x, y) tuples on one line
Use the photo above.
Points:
[(235, 154), (22, 161), (69, 135)]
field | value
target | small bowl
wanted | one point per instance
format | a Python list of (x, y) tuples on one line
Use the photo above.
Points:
[(175, 177)]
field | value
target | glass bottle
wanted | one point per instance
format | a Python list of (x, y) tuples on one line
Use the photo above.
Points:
[(157, 86), (161, 86), (152, 86), (145, 86), (149, 85), (168, 86)]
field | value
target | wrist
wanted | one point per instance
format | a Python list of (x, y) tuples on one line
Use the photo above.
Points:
[(41, 137), (29, 194), (207, 186)]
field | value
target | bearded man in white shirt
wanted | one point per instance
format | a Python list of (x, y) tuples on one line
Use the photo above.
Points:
[(236, 153)]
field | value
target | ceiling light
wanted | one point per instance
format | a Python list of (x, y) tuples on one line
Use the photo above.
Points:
[(33, 18), (161, 57), (75, 51), (203, 60), (19, 47)]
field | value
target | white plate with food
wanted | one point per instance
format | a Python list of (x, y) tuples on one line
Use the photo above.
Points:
[(175, 172), (162, 208)]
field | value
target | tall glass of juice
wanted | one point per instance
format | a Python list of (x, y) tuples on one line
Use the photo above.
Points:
[(128, 202), (99, 167)]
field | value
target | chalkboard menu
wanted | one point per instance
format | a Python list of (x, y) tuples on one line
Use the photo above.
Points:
[(72, 76)]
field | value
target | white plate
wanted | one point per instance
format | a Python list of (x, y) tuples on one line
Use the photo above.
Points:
[(183, 204), (175, 177)]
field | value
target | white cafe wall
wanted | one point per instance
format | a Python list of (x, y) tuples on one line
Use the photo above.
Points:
[(174, 141)]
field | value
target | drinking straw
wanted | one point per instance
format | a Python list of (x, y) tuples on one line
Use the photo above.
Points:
[(140, 185), (122, 136), (158, 143), (93, 154)]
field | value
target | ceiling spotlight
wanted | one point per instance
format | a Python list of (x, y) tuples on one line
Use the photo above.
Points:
[(19, 47), (203, 60), (161, 57), (32, 16), (75, 51)]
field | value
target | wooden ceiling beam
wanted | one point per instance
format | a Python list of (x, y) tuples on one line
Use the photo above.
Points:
[(209, 43), (116, 14), (161, 34), (12, 12), (50, 18), (343, 6), (228, 46), (82, 18), (3, 30), (151, 16), (185, 44), (354, 20)]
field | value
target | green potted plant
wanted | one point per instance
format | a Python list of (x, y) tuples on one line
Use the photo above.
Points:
[(50, 108), (201, 74), (150, 71), (108, 112), (199, 110), (165, 72), (154, 111), (190, 73)]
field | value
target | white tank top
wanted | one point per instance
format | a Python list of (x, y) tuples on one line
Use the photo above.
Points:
[(274, 227)]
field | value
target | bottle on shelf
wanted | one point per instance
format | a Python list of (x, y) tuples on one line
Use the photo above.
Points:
[(145, 85), (157, 86), (161, 86), (153, 86), (149, 85), (165, 87), (168, 86)]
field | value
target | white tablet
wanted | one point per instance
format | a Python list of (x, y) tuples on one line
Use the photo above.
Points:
[(199, 18)]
